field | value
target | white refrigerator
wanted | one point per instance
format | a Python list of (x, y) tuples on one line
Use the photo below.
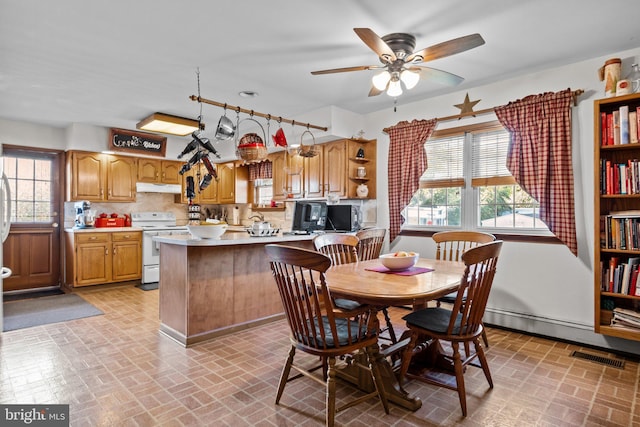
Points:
[(5, 224)]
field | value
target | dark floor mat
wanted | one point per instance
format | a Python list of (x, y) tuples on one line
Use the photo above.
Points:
[(148, 286), (29, 295)]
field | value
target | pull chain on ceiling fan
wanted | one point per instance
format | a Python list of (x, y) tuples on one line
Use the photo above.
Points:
[(400, 62)]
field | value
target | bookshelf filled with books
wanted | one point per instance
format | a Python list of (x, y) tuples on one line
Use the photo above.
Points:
[(617, 216)]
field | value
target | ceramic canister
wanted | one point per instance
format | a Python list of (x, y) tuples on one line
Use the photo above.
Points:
[(610, 73)]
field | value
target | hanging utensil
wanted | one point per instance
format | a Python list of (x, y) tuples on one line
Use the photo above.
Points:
[(225, 130)]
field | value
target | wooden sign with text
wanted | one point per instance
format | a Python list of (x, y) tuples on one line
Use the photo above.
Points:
[(137, 142)]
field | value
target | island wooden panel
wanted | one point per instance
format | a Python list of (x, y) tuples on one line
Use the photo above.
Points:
[(209, 291)]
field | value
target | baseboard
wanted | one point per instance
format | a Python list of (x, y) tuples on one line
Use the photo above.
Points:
[(578, 333)]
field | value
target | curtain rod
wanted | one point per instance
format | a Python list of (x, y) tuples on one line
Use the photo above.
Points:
[(574, 94), (255, 113)]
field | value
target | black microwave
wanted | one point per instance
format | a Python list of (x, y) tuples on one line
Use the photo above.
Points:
[(344, 218)]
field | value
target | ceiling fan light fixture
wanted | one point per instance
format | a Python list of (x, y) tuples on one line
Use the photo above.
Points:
[(166, 123), (381, 80), (395, 89), (409, 78)]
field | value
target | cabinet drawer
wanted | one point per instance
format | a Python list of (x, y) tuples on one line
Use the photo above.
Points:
[(125, 236), (92, 238)]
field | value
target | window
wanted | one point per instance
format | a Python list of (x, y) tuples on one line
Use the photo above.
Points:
[(30, 181), (263, 191), (467, 185)]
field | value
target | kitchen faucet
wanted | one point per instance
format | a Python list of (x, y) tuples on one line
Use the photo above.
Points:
[(258, 215)]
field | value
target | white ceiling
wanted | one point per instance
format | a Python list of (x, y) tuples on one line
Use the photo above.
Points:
[(111, 63)]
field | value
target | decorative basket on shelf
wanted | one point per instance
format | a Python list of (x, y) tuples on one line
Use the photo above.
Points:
[(308, 150), (251, 147)]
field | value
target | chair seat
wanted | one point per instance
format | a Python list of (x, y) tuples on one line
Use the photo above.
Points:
[(346, 304), (342, 327), (434, 319), (451, 298)]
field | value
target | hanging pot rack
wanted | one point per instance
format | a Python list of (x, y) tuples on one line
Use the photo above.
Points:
[(279, 119)]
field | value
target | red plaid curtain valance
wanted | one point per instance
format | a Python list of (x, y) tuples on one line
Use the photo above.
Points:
[(262, 170)]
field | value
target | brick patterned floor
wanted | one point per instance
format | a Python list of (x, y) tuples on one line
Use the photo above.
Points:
[(117, 370)]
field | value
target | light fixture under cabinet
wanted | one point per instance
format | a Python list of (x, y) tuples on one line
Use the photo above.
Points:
[(166, 123)]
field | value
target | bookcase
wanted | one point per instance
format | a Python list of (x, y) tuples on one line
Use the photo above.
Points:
[(617, 216)]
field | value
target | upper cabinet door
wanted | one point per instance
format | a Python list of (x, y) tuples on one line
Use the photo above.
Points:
[(149, 170), (87, 176), (170, 172), (226, 183), (335, 168), (314, 176), (121, 178)]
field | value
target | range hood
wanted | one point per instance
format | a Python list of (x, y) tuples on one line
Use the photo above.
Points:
[(148, 187)]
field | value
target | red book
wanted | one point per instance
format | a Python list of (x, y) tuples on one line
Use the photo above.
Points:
[(603, 129), (613, 263), (634, 279), (609, 128)]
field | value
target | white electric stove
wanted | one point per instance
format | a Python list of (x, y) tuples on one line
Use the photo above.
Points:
[(154, 224)]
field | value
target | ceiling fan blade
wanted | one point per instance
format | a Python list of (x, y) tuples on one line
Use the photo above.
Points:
[(439, 76), (346, 69), (375, 91), (376, 43), (447, 48)]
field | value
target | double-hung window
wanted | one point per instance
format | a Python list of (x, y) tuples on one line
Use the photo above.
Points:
[(468, 186)]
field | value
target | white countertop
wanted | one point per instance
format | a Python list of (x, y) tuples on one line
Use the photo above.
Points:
[(230, 239), (101, 229)]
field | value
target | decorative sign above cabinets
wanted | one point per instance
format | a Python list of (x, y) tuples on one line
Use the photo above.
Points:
[(137, 142)]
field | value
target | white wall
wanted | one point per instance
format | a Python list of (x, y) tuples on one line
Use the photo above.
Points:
[(539, 288)]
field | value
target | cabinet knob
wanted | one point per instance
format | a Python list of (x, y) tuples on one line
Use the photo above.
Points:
[(92, 238), (106, 252)]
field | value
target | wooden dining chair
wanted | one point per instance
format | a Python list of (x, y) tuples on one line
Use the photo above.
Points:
[(370, 243), (317, 327), (461, 324), (450, 245), (343, 249)]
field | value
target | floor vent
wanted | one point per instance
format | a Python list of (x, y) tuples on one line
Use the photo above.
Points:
[(599, 359)]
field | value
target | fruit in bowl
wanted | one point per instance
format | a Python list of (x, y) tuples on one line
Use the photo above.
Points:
[(400, 260), (208, 230)]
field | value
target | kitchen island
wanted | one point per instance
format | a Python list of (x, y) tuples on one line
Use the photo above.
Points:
[(210, 288)]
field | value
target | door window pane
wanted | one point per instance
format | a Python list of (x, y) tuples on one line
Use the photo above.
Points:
[(30, 181)]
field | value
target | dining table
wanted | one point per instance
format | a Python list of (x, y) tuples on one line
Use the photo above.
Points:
[(369, 282)]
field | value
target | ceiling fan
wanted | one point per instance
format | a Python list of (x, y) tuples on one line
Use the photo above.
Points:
[(400, 62)]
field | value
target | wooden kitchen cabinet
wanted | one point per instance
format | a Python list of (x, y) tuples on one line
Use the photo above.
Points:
[(126, 249), (122, 173), (287, 184), (226, 183), (101, 177), (159, 171), (333, 170), (103, 257)]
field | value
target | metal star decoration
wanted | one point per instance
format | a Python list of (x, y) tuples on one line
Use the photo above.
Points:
[(467, 105)]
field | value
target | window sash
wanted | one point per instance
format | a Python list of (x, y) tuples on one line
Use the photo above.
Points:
[(489, 157)]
